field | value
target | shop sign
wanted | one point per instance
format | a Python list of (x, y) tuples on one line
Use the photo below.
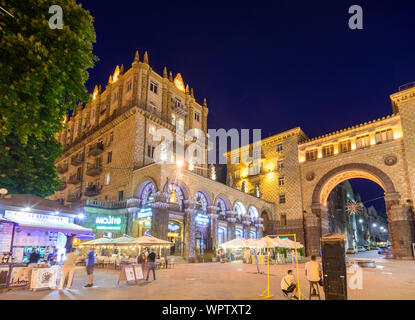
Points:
[(19, 276), (30, 216), (145, 213), (108, 223), (44, 277), (202, 219)]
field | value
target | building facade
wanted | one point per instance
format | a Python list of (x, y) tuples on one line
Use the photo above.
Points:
[(381, 151), (109, 168)]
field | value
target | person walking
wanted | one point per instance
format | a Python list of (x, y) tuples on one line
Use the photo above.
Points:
[(313, 273), (90, 263), (68, 269), (142, 259), (151, 264)]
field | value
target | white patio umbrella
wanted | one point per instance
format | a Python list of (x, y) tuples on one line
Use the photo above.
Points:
[(99, 241), (235, 243), (150, 241), (253, 243)]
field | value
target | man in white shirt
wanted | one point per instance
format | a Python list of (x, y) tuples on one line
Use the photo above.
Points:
[(68, 269), (313, 271), (288, 285)]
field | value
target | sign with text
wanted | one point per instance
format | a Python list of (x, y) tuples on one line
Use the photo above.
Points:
[(108, 223), (30, 216)]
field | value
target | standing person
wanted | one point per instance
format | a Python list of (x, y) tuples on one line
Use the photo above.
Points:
[(293, 256), (151, 261), (90, 267), (313, 272), (68, 269), (33, 258), (142, 259), (289, 285)]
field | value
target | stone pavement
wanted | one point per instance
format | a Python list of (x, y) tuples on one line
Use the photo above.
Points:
[(390, 280)]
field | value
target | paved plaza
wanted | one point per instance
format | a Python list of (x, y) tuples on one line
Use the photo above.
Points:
[(391, 279)]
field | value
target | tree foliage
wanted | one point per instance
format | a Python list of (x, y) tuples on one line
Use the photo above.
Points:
[(42, 75)]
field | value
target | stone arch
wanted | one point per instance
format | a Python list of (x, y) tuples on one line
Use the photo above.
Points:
[(222, 197), (142, 185), (205, 199), (267, 217), (253, 213), (349, 171), (184, 189), (239, 208)]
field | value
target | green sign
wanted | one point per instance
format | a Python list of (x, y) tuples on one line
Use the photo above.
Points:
[(108, 223)]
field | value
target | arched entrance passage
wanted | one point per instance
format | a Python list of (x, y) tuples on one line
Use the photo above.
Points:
[(400, 219)]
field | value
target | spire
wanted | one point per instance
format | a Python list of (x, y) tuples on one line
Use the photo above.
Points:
[(165, 72), (122, 69), (145, 59), (187, 88), (171, 76), (192, 93), (204, 102), (110, 79), (137, 57)]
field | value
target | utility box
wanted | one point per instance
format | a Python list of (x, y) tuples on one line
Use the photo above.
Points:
[(334, 266)]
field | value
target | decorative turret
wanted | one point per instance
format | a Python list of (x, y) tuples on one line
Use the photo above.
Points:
[(110, 79), (145, 59), (204, 102), (165, 72), (122, 69), (187, 89), (192, 93), (137, 57), (170, 76)]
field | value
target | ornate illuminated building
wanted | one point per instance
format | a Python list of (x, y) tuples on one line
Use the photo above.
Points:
[(109, 171), (297, 174)]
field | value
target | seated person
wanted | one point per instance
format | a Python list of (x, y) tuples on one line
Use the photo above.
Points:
[(288, 285)]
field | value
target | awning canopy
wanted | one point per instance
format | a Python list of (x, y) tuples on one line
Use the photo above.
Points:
[(64, 227)]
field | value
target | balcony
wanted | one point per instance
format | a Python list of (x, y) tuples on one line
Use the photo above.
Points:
[(62, 168), (77, 160), (93, 190), (74, 179), (74, 197), (105, 204), (62, 187), (96, 149), (93, 170)]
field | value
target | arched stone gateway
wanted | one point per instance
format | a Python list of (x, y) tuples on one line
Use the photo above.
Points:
[(399, 217)]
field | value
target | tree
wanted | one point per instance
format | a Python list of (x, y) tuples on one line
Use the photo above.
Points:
[(42, 75)]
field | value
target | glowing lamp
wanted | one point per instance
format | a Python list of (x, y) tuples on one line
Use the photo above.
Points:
[(301, 159), (179, 163)]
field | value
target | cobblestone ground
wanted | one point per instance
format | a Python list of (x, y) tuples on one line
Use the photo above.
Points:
[(390, 280)]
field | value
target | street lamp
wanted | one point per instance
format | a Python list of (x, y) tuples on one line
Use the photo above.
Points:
[(361, 220), (374, 225)]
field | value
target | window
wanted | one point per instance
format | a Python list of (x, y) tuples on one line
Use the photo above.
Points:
[(152, 129), (197, 116), (281, 181), (384, 136), (283, 219), (111, 136), (103, 110), (281, 198), (280, 164), (328, 150), (177, 103), (129, 85), (345, 146), (107, 179), (173, 119), (279, 147), (237, 174), (115, 97), (83, 123), (153, 87), (311, 155), (93, 113), (150, 151), (109, 157), (120, 195), (362, 142), (235, 159)]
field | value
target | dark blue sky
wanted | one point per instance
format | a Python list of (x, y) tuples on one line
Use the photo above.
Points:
[(273, 65)]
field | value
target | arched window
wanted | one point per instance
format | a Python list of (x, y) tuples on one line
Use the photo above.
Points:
[(253, 213), (175, 194), (239, 208), (147, 195), (222, 206), (201, 201)]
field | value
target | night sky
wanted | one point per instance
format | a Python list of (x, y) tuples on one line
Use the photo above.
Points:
[(272, 66)]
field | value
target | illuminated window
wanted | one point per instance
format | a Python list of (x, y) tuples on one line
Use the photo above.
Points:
[(154, 87), (109, 157), (237, 174), (173, 119), (311, 155), (345, 146), (152, 129), (281, 198), (362, 142), (384, 136), (279, 147), (115, 97), (281, 181), (177, 103), (328, 150), (150, 151), (107, 179), (280, 164)]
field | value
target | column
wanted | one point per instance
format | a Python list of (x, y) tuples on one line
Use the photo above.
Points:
[(312, 234), (231, 217), (160, 218), (213, 227), (246, 221), (189, 229), (259, 227), (401, 227)]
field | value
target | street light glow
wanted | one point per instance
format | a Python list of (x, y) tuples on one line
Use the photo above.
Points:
[(81, 216), (361, 220), (179, 163), (374, 225)]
